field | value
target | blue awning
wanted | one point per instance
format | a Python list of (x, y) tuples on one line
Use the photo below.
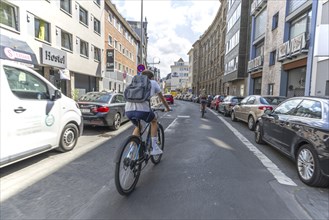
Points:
[(16, 50)]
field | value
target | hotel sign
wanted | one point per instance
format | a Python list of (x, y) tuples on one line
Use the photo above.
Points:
[(53, 57)]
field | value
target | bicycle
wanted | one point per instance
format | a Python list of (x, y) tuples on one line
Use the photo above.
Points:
[(134, 152), (203, 108)]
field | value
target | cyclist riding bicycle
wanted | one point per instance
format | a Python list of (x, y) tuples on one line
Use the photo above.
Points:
[(203, 100), (143, 111)]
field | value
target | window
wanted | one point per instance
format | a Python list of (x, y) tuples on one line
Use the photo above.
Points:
[(233, 42), (66, 6), (270, 89), (301, 25), (327, 88), (83, 16), (66, 40), (25, 85), (110, 40), (97, 54), (260, 24), (41, 30), (251, 100), (8, 15), (309, 109), (275, 21), (110, 17), (84, 48), (257, 86), (272, 58), (288, 107), (233, 19), (98, 2), (97, 26)]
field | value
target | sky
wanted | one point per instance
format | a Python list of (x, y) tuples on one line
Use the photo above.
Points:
[(173, 26)]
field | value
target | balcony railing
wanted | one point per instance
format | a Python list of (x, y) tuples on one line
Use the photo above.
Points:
[(256, 6), (256, 64), (293, 47)]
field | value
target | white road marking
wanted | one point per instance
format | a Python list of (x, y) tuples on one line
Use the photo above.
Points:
[(172, 124), (274, 170), (183, 116)]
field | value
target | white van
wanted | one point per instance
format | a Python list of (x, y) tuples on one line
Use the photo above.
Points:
[(34, 116)]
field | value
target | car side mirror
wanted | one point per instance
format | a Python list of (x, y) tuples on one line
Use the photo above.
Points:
[(57, 95)]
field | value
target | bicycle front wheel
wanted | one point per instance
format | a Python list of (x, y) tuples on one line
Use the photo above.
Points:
[(128, 166), (160, 135)]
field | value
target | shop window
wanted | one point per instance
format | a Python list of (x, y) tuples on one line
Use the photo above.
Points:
[(41, 30), (272, 58), (66, 40), (84, 48), (8, 15), (275, 21), (83, 16), (66, 6), (97, 26)]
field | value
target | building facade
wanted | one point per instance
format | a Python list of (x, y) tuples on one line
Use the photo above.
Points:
[(208, 56), (121, 50), (60, 47), (179, 76), (136, 25)]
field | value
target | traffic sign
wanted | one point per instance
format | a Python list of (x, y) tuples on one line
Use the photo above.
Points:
[(140, 68)]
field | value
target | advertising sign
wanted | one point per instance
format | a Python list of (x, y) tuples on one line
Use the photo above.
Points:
[(110, 60)]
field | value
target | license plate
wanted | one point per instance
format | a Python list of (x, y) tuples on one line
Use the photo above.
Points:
[(85, 110)]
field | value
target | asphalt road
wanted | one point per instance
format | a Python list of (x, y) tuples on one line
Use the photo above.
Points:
[(211, 169)]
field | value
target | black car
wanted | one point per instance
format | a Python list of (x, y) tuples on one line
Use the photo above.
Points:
[(103, 109), (299, 127)]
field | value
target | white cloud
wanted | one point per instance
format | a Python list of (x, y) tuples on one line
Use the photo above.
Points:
[(173, 26)]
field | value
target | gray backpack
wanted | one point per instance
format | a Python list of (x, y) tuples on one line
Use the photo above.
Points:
[(139, 90)]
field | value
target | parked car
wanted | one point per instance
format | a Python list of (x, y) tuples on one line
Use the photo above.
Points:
[(196, 99), (299, 127), (216, 101), (252, 107), (169, 98), (209, 99), (35, 116), (103, 109), (228, 103)]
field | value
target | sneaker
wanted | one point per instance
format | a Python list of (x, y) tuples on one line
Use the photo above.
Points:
[(156, 150)]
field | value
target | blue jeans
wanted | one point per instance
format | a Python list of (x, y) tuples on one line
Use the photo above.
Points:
[(135, 115)]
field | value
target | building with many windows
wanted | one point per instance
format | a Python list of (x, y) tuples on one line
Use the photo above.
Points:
[(237, 47), (121, 50), (179, 76), (208, 56), (141, 31), (67, 53)]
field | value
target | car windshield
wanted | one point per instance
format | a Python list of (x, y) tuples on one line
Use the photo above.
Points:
[(237, 99), (96, 97), (274, 100)]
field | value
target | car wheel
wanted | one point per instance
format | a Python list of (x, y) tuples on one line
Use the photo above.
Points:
[(233, 118), (69, 138), (251, 123), (258, 134), (225, 112), (116, 122), (308, 167)]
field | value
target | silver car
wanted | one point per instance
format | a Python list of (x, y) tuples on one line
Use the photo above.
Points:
[(253, 106)]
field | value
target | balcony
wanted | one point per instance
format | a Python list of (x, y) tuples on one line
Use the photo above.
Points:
[(256, 64), (256, 6), (293, 47)]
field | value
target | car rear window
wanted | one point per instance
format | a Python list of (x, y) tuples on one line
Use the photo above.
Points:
[(168, 96), (274, 100), (96, 97)]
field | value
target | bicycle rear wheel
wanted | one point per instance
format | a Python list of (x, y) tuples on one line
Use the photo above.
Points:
[(156, 159), (127, 167)]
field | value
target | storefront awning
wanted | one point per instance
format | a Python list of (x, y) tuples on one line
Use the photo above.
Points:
[(16, 50)]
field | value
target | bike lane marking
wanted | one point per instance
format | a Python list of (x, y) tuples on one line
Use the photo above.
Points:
[(274, 169)]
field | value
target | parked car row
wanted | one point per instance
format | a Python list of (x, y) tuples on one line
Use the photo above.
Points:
[(298, 127), (185, 97)]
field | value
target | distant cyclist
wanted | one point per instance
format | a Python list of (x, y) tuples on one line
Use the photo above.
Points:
[(144, 112), (203, 100)]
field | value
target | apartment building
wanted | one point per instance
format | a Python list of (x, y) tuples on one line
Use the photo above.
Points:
[(237, 47), (179, 76), (141, 30), (121, 50), (208, 56), (64, 37), (190, 69)]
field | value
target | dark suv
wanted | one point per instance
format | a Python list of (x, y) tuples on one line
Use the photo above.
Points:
[(299, 127)]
